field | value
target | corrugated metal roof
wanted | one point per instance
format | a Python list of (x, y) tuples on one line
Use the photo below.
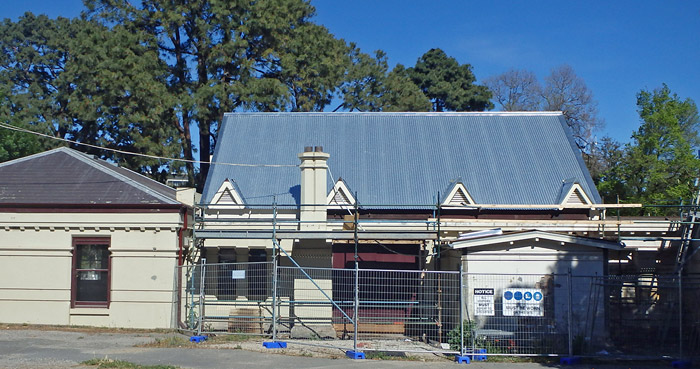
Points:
[(67, 176), (403, 158)]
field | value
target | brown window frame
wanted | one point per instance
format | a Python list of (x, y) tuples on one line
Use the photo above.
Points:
[(77, 241)]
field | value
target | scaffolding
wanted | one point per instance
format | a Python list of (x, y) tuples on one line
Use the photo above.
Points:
[(433, 230)]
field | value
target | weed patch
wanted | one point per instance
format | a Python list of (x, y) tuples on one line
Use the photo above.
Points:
[(120, 364)]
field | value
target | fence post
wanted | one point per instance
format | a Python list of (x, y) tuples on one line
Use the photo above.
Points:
[(274, 296), (462, 307), (274, 269), (356, 304), (570, 313), (201, 295)]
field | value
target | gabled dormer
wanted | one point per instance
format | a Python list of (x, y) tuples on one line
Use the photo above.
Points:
[(340, 196), (573, 194), (228, 196), (458, 196)]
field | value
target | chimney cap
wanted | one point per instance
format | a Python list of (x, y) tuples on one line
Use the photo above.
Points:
[(308, 148), (318, 148)]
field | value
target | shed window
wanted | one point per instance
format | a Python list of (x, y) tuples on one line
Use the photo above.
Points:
[(91, 272)]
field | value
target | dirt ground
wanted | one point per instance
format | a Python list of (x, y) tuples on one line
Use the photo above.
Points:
[(35, 346)]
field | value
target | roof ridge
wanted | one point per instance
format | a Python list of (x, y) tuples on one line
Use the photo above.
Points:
[(34, 156), (451, 113)]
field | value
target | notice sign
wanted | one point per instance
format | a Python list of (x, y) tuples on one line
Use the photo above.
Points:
[(523, 302), (483, 302)]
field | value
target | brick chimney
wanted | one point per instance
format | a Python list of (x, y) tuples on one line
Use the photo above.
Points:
[(314, 174)]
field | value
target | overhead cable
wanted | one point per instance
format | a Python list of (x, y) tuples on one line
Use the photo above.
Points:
[(18, 129)]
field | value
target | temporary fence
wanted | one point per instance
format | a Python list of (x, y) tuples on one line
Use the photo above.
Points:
[(366, 310)]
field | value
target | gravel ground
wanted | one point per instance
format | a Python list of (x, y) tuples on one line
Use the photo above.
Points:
[(27, 347)]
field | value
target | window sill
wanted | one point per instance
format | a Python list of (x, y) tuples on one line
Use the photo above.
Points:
[(94, 310)]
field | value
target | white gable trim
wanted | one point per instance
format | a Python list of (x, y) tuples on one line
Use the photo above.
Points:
[(576, 196), (458, 197), (340, 196), (228, 196), (535, 236)]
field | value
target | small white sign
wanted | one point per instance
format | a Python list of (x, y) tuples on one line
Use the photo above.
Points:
[(523, 302), (483, 302), (238, 274)]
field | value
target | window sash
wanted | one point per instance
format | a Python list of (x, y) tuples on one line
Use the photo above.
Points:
[(91, 272)]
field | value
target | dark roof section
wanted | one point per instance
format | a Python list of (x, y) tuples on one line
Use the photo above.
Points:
[(403, 158), (65, 176)]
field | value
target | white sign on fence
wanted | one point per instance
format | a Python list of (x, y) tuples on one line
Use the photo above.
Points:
[(483, 302), (523, 302), (238, 274)]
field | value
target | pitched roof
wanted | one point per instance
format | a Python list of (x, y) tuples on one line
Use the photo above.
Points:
[(403, 158), (69, 177)]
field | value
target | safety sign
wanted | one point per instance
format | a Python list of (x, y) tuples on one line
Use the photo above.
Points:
[(523, 302), (484, 302)]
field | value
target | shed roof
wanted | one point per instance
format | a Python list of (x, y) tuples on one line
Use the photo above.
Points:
[(68, 177), (402, 158)]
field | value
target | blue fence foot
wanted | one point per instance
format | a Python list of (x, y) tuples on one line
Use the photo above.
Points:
[(198, 339), (682, 364), (480, 357), (355, 354), (463, 359), (570, 360), (275, 344)]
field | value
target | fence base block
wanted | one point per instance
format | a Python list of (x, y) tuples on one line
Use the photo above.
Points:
[(275, 344), (198, 339), (463, 359), (570, 360), (681, 364), (355, 354), (480, 357)]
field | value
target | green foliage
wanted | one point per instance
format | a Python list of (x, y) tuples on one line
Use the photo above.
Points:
[(369, 86), (659, 166), (225, 55), (450, 86), (454, 336), (78, 80)]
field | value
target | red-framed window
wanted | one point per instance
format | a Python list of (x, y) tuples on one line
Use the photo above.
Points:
[(91, 272)]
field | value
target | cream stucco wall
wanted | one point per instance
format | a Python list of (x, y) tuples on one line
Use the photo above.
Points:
[(36, 260)]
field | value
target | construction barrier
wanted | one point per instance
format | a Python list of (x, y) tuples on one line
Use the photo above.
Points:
[(463, 314)]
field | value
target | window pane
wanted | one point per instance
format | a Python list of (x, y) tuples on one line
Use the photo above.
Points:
[(92, 286), (93, 257)]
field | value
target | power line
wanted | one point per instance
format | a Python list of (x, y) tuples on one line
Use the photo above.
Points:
[(18, 129)]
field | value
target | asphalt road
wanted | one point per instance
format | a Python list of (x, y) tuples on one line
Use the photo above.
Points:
[(28, 348)]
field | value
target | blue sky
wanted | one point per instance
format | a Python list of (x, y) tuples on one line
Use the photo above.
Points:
[(617, 47)]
